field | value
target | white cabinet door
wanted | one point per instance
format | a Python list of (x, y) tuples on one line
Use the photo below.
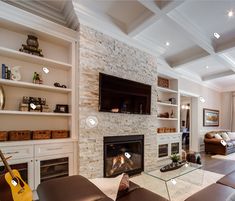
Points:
[(56, 163), (26, 168)]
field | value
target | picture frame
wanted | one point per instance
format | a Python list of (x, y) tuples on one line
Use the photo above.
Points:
[(210, 117), (61, 108)]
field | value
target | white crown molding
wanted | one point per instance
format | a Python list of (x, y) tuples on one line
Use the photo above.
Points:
[(229, 89), (70, 16), (197, 79), (31, 21), (41, 9)]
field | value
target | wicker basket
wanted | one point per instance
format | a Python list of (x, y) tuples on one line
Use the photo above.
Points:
[(55, 134), (161, 130), (163, 82), (19, 135), (41, 134), (3, 135)]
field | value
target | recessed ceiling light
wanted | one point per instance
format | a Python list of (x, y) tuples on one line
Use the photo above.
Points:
[(207, 67), (167, 43), (230, 13), (216, 35)]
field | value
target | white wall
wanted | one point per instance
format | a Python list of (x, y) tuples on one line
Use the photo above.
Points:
[(226, 112)]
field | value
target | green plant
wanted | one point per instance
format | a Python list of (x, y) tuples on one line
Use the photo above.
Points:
[(175, 158)]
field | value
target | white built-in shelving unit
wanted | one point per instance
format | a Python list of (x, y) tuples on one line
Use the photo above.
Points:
[(59, 47), (168, 140)]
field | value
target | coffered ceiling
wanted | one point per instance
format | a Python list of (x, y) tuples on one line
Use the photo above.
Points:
[(180, 33)]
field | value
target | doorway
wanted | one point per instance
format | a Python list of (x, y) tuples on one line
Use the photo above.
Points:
[(185, 121)]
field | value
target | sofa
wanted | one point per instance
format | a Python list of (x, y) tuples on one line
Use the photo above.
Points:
[(213, 144), (78, 188), (222, 190)]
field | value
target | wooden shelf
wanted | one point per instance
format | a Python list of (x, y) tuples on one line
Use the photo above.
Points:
[(33, 86), (167, 90), (173, 133), (167, 104), (12, 112), (167, 119), (33, 59)]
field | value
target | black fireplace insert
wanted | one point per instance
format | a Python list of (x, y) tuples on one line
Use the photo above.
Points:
[(123, 154)]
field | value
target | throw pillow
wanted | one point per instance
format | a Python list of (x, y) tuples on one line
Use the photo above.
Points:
[(231, 135), (225, 137), (209, 135), (217, 136), (124, 183), (111, 186), (231, 197)]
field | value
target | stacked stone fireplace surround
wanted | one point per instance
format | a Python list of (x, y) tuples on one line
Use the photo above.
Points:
[(101, 53)]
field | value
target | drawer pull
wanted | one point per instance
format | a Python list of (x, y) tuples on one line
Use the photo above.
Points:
[(52, 149), (7, 153)]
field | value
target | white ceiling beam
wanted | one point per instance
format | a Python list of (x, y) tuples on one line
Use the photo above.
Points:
[(218, 75), (192, 31), (172, 5), (141, 23), (151, 5), (139, 26), (226, 60), (199, 38)]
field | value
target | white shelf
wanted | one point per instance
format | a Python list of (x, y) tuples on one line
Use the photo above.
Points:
[(36, 142), (167, 119), (167, 104), (33, 86), (167, 90), (33, 59), (12, 112)]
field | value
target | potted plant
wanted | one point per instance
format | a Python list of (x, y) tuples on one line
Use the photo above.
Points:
[(175, 158)]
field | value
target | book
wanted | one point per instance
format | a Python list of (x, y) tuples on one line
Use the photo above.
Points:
[(3, 71)]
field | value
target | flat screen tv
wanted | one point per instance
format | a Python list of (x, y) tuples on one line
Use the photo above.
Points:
[(123, 96)]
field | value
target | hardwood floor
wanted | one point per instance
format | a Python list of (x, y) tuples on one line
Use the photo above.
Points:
[(217, 165)]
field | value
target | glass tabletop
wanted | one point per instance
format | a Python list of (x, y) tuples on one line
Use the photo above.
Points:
[(172, 174)]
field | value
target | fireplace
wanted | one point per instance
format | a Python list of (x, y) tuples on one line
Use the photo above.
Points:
[(123, 154)]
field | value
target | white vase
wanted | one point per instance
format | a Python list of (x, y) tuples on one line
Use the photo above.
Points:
[(2, 98), (15, 73)]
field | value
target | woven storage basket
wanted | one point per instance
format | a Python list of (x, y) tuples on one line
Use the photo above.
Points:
[(19, 135), (161, 130), (55, 134), (41, 134), (163, 82), (3, 135)]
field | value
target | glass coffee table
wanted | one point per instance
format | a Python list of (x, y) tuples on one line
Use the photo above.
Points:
[(186, 176)]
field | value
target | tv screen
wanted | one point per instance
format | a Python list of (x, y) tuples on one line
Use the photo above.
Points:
[(123, 96)]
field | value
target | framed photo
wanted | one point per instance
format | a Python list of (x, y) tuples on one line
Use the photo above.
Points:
[(210, 117), (61, 108)]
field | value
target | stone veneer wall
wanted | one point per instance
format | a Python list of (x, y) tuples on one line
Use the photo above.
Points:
[(101, 53)]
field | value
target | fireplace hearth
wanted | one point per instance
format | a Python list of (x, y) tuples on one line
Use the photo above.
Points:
[(123, 154)]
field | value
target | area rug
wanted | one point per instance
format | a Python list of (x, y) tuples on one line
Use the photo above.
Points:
[(185, 186), (227, 157)]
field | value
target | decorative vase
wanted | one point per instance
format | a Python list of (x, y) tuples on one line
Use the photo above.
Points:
[(15, 73), (2, 98), (32, 41)]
